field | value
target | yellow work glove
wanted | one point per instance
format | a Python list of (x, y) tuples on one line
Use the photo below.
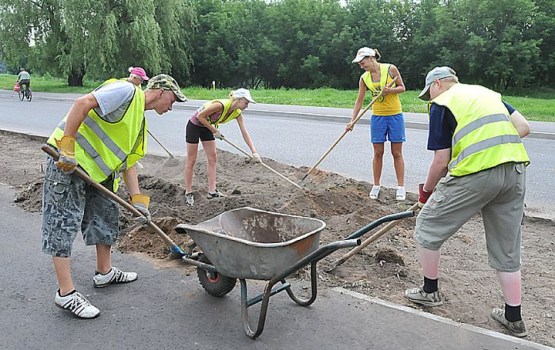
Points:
[(141, 202), (66, 147)]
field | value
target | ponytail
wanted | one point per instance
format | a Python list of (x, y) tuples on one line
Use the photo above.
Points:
[(378, 55)]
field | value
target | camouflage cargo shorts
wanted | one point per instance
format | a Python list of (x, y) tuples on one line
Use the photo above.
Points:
[(71, 205)]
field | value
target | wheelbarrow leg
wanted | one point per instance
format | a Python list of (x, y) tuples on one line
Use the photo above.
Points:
[(313, 288), (311, 259), (263, 309)]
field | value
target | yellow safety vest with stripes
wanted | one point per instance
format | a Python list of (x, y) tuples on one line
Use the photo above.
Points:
[(485, 136), (105, 148), (223, 118), (385, 105)]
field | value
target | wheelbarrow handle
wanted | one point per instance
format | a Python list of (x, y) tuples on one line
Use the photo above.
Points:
[(409, 213), (315, 256), (392, 217), (83, 175)]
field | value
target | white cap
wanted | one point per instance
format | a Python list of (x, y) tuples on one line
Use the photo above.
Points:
[(243, 93), (364, 52)]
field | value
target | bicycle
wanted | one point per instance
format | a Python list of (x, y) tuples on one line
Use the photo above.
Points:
[(25, 93)]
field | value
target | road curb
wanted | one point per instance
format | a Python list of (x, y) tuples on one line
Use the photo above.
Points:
[(341, 119)]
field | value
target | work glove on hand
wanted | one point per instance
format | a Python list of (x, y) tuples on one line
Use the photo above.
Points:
[(141, 202), (218, 135), (423, 195), (66, 147), (256, 157)]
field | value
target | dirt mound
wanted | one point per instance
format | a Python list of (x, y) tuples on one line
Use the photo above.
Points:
[(384, 269)]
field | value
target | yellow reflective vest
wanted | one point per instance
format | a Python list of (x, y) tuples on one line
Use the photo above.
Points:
[(104, 149), (224, 117), (485, 136), (386, 105)]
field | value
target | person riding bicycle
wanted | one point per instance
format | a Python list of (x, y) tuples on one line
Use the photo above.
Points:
[(24, 78)]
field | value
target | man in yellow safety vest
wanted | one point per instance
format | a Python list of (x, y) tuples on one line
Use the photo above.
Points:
[(479, 166), (105, 134)]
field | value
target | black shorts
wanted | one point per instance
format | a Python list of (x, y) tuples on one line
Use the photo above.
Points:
[(194, 133), (26, 82)]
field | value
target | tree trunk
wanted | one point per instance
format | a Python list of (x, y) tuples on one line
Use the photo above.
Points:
[(75, 78)]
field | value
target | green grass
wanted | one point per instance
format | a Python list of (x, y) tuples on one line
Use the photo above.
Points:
[(537, 106), (47, 84)]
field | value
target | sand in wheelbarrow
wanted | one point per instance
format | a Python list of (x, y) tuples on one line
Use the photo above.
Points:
[(384, 269)]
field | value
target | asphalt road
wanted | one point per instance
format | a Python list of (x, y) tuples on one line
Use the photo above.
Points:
[(299, 136), (166, 308)]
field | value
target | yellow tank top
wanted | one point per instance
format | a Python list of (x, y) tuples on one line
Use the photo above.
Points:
[(385, 105)]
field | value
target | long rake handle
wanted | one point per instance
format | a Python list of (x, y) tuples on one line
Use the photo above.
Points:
[(346, 131), (82, 174), (160, 143), (371, 239), (265, 165)]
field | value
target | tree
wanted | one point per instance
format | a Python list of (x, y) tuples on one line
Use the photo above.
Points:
[(544, 30), (486, 42), (303, 32), (499, 50), (99, 38), (231, 44), (381, 25)]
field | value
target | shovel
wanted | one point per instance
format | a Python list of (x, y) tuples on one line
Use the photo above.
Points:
[(83, 175)]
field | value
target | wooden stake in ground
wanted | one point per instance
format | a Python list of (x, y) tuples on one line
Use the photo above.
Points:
[(346, 131)]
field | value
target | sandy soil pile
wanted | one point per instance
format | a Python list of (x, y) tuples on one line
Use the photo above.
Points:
[(384, 269)]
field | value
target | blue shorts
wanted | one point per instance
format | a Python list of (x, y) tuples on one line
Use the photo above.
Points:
[(389, 128), (71, 205)]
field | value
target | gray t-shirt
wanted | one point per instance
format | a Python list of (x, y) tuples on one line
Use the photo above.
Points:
[(24, 75), (113, 100)]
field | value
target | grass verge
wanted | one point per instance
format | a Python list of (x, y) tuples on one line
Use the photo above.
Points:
[(537, 107)]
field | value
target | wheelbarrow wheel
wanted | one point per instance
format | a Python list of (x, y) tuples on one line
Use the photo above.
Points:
[(214, 283)]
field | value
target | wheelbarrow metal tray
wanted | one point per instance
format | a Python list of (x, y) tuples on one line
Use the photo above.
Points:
[(256, 244)]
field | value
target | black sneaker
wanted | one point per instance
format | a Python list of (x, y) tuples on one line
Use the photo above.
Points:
[(516, 328), (215, 194)]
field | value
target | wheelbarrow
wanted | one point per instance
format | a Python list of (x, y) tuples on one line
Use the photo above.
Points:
[(248, 243)]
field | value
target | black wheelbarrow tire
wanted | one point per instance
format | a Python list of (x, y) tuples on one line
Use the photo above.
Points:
[(214, 284)]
